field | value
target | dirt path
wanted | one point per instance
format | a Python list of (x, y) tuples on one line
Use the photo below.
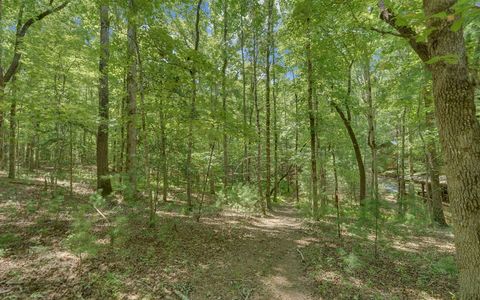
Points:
[(264, 261), (287, 279)]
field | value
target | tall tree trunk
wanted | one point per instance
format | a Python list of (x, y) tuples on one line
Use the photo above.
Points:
[(71, 159), (311, 116), (2, 88), (224, 95), (267, 105), (259, 129), (13, 141), (321, 177), (144, 133), (103, 182), (193, 74), (336, 193), (351, 133), (402, 191), (131, 163), (459, 130), (373, 145), (275, 127), (163, 151), (411, 166), (297, 186), (245, 160)]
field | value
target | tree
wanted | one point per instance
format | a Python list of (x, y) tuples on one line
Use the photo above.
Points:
[(103, 182), (224, 94), (269, 4), (193, 74), (311, 117), (21, 30), (131, 162), (458, 126), (346, 119)]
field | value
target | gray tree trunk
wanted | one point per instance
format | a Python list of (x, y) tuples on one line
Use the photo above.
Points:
[(103, 182)]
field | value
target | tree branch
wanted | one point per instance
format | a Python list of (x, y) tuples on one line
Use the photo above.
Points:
[(404, 31), (12, 69), (386, 32)]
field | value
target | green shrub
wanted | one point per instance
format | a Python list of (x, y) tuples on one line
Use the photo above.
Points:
[(81, 239), (445, 266)]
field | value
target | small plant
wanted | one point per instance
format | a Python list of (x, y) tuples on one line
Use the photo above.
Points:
[(31, 207), (445, 266), (104, 286), (350, 260), (81, 240), (55, 205), (8, 240)]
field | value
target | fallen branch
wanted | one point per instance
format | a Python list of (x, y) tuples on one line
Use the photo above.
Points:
[(180, 295), (301, 254), (101, 214)]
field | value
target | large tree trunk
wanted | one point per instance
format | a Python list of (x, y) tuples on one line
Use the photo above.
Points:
[(131, 163), (103, 182), (459, 131)]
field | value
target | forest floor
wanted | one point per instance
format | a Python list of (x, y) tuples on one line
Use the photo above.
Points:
[(227, 255)]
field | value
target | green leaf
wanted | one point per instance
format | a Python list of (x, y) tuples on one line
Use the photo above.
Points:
[(457, 24), (450, 59)]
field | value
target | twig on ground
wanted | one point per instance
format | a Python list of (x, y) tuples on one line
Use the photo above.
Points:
[(301, 254), (101, 214), (180, 295)]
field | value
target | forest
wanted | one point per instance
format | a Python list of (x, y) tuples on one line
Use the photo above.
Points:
[(239, 149)]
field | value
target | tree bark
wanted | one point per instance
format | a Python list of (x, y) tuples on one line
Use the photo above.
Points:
[(351, 133), (257, 124), (163, 151), (131, 163), (224, 95), (193, 74), (336, 193), (402, 190), (245, 161), (12, 143), (267, 105), (311, 116), (275, 127), (459, 130), (103, 182), (297, 185), (373, 146)]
